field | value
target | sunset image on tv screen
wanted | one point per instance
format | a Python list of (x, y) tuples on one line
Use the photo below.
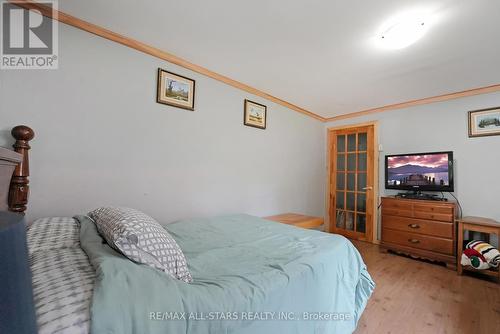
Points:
[(418, 170)]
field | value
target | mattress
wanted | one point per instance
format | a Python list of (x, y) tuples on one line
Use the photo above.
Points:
[(241, 265)]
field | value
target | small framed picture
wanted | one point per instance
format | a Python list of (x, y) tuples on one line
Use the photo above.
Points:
[(175, 90), (255, 114), (484, 122)]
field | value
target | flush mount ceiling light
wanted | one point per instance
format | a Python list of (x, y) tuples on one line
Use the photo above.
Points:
[(403, 30)]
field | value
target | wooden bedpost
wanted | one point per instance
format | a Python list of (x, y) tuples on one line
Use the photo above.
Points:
[(19, 185)]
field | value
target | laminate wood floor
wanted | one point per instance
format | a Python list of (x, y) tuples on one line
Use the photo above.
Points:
[(414, 296)]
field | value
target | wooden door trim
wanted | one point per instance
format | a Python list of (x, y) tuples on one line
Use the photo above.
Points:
[(329, 131)]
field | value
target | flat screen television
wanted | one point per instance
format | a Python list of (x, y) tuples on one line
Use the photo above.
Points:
[(420, 171)]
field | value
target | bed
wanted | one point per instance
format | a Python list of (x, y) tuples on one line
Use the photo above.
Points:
[(249, 275)]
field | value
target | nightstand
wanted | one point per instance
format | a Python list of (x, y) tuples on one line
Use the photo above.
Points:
[(298, 220), (477, 224)]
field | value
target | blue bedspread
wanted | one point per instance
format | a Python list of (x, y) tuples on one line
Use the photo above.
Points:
[(250, 276)]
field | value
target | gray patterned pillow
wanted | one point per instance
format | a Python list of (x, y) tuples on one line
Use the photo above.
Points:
[(142, 239)]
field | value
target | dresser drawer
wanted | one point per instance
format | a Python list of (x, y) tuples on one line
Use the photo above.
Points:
[(397, 204), (434, 216), (434, 244), (447, 210), (397, 212), (418, 226)]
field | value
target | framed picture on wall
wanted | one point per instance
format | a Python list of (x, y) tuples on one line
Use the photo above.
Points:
[(484, 122), (255, 114), (175, 90)]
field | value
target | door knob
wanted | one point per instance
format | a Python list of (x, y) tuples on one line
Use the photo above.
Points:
[(367, 188)]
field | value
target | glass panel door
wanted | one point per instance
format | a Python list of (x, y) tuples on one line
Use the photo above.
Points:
[(351, 167)]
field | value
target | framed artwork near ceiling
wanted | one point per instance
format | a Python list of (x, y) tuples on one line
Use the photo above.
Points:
[(255, 114), (484, 122), (175, 90)]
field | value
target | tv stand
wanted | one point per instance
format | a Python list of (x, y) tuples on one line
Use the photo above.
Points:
[(420, 195), (420, 228)]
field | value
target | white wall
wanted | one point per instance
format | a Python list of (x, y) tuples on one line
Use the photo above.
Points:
[(443, 127), (101, 139)]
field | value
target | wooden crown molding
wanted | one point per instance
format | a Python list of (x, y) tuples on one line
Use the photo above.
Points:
[(155, 52), (413, 103)]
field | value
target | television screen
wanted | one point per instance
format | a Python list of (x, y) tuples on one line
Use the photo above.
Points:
[(420, 171)]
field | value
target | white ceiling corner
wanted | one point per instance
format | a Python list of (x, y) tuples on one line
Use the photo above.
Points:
[(318, 55)]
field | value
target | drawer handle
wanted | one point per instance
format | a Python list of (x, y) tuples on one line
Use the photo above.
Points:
[(413, 225), (414, 241)]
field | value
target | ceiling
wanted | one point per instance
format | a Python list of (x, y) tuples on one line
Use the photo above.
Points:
[(319, 55)]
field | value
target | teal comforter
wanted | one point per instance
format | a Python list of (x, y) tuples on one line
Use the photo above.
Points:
[(250, 276)]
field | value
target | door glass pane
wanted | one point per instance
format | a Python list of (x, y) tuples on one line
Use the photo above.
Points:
[(340, 181), (361, 205), (362, 142), (361, 223), (341, 143), (361, 161), (341, 162), (350, 181), (350, 201), (361, 181), (340, 200), (351, 161), (351, 177), (339, 219), (351, 142), (349, 221)]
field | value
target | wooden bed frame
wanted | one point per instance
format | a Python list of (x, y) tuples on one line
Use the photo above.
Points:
[(14, 171)]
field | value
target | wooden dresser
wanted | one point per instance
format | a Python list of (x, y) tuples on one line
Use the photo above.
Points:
[(420, 228)]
